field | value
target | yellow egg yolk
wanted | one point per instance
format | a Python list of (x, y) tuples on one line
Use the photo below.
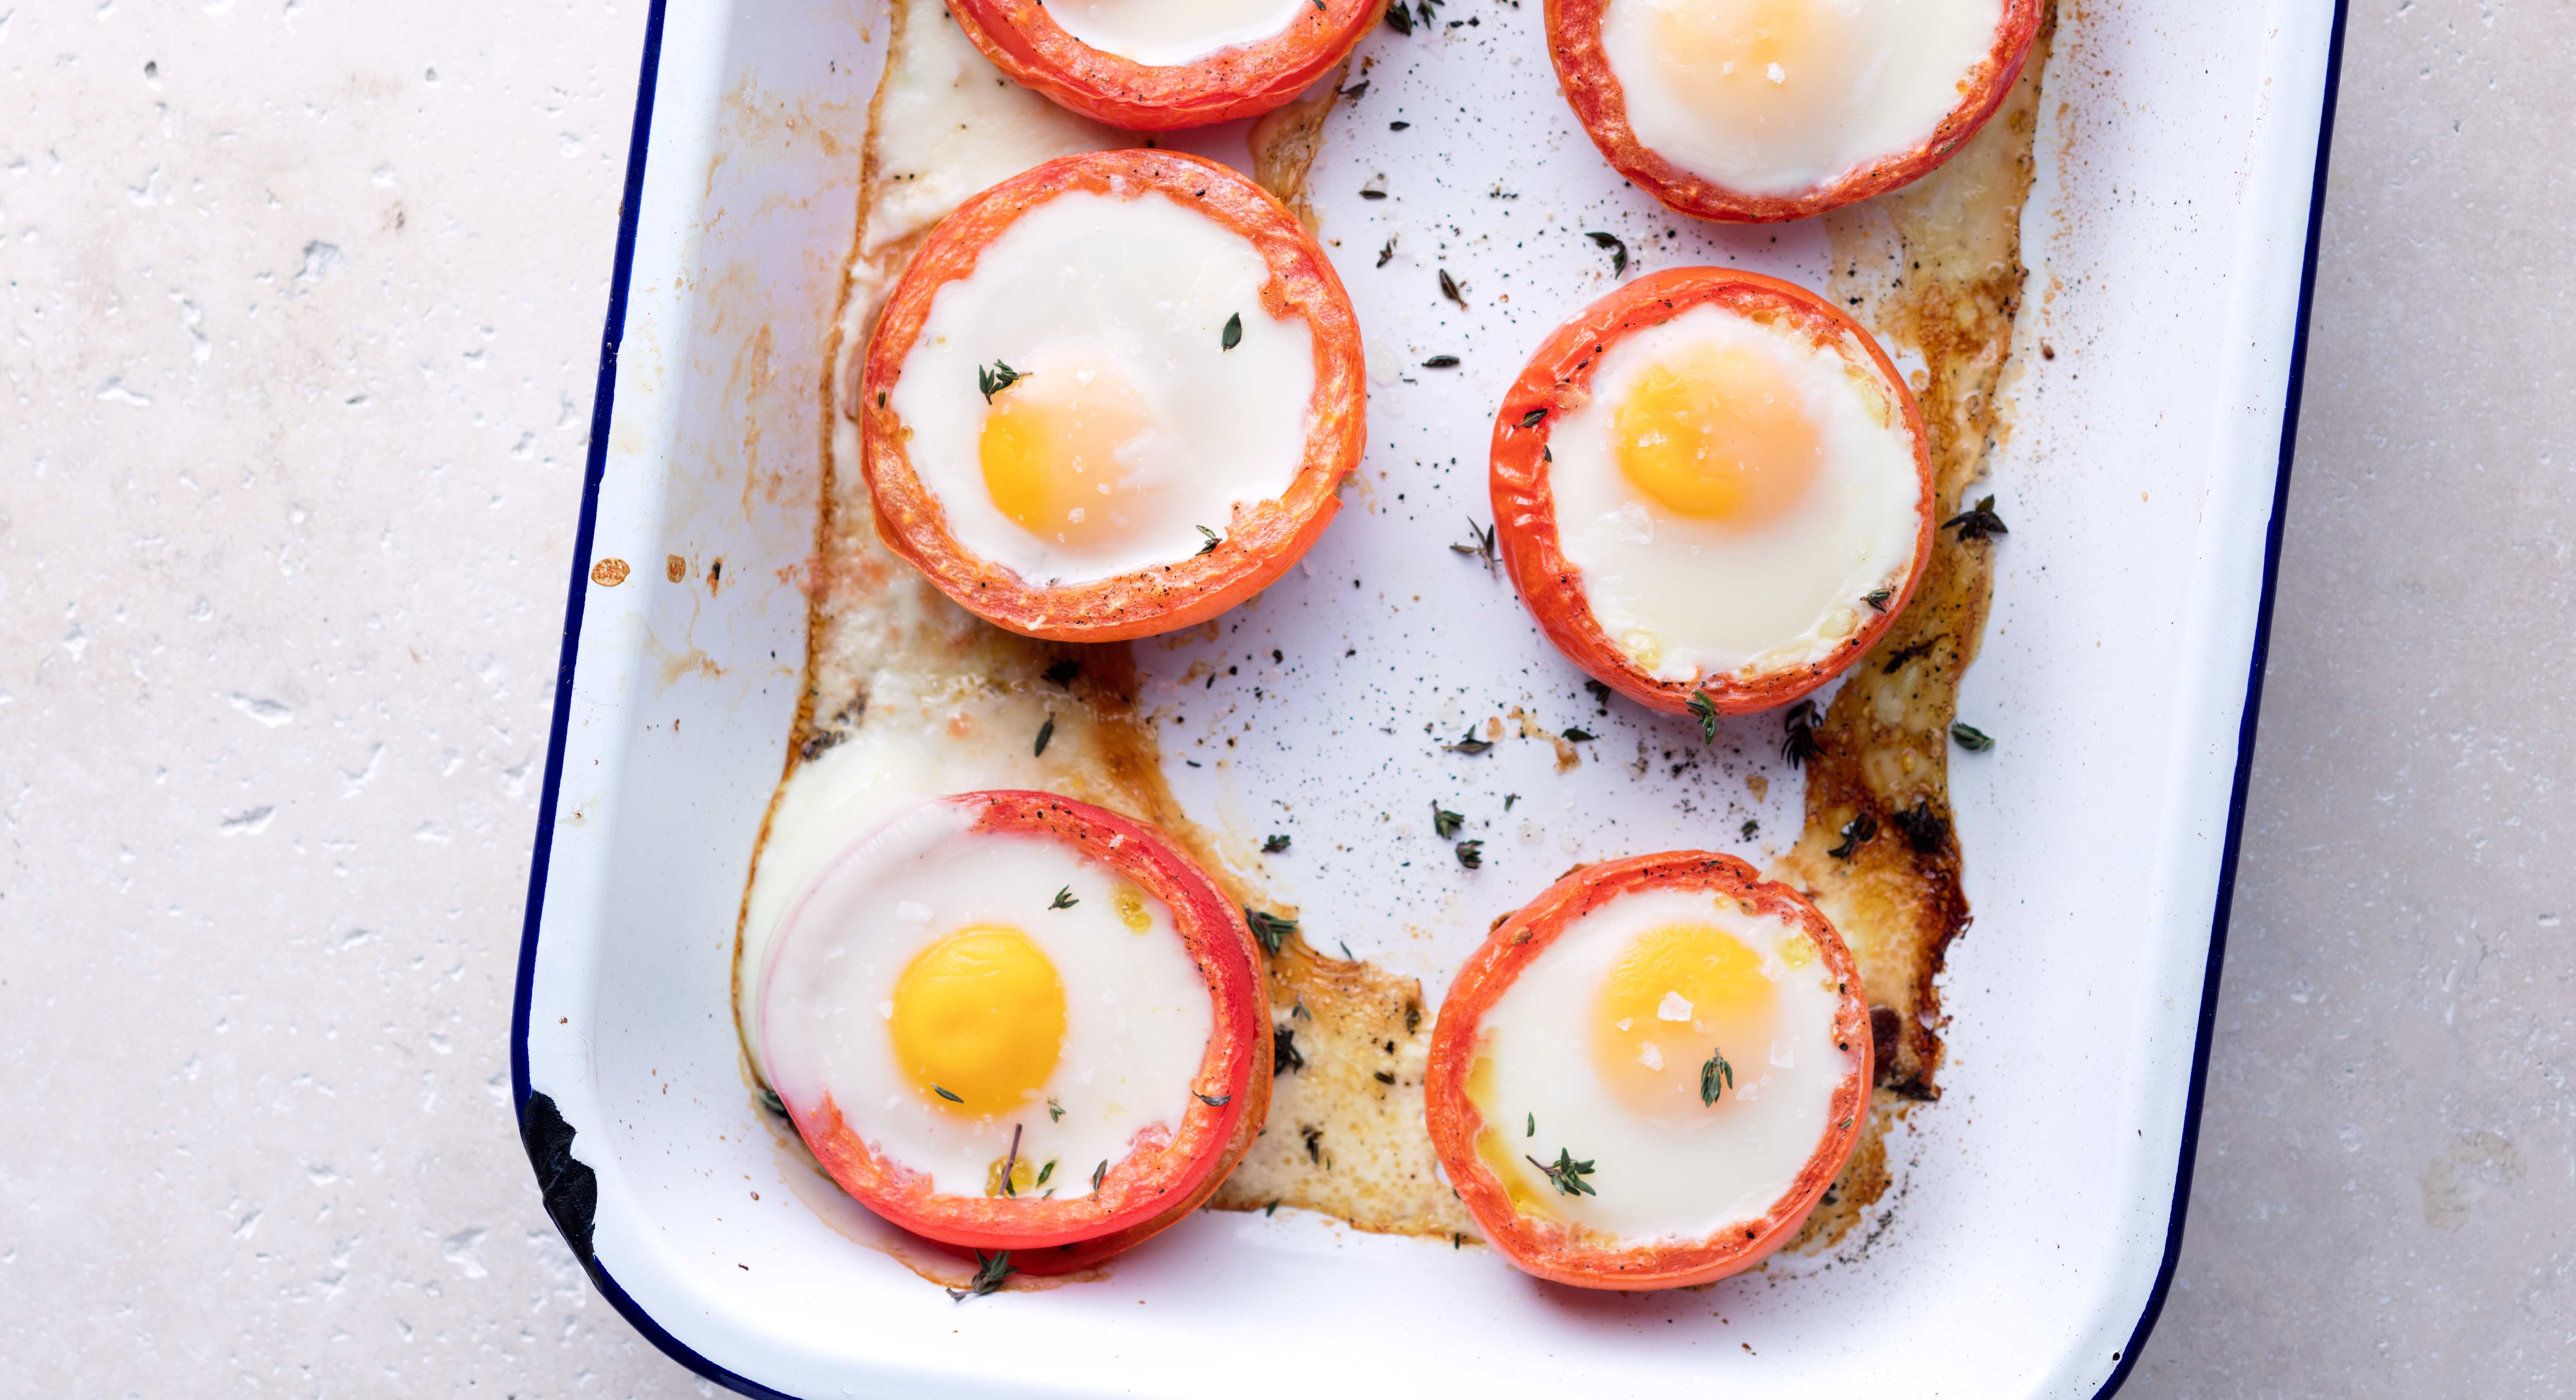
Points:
[(978, 1020), (1051, 450), (1681, 998), (1755, 68), (1718, 435)]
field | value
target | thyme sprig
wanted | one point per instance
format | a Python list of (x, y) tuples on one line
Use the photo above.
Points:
[(1977, 522), (1799, 742), (1567, 1175), (1480, 544), (1445, 823), (990, 1270), (1715, 1077), (1273, 844), (1704, 710), (1270, 928), (997, 377), (1064, 899), (1856, 834), (1471, 854)]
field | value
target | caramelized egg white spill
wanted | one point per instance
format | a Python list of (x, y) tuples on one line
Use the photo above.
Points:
[(1779, 97), (1166, 33), (1738, 587), (933, 958), (897, 670), (1132, 428), (1600, 1047)]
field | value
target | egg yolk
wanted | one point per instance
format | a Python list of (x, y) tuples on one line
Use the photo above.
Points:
[(1754, 68), (978, 1020), (1052, 450), (1681, 998), (1717, 435)]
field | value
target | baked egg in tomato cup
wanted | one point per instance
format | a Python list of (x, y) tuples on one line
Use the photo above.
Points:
[(1712, 490), (1014, 1021), (1157, 65), (1648, 1076), (1112, 396), (1759, 110)]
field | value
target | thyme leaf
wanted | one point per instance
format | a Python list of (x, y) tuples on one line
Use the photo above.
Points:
[(1444, 823), (1100, 1174), (1273, 844), (1970, 737), (1216, 1100), (1469, 745), (1233, 332), (1046, 732), (1578, 736), (1618, 252), (1449, 288), (1877, 598), (1055, 1111), (1399, 19), (1441, 362), (1213, 539), (1532, 418), (943, 1093), (1752, 829)]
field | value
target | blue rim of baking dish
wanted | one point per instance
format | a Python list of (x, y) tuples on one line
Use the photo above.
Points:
[(2126, 1359), (558, 1146)]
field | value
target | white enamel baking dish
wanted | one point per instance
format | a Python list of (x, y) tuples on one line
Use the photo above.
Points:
[(2038, 1205)]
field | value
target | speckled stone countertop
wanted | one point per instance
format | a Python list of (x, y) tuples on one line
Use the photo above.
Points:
[(299, 306)]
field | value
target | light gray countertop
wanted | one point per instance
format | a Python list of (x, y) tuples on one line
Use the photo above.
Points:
[(301, 304)]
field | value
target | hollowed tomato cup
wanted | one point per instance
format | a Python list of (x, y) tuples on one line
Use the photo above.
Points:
[(920, 972), (1644, 124), (1557, 437), (1188, 85), (1492, 1043), (997, 520)]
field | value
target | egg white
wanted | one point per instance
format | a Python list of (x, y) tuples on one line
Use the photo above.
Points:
[(1905, 61), (1685, 597), (1137, 1014), (1166, 33), (1148, 286), (1677, 1178)]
